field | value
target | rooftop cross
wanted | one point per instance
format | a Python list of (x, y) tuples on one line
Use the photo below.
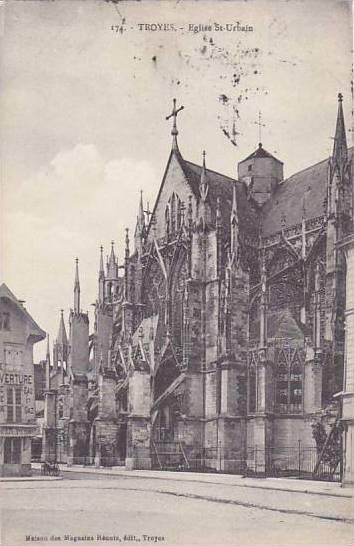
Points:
[(260, 125), (174, 131)]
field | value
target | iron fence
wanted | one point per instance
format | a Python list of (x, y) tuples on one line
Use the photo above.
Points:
[(296, 461), (101, 461)]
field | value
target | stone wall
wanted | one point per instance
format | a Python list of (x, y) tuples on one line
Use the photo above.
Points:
[(103, 329), (79, 342)]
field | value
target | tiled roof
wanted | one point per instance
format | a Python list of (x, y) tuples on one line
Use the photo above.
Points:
[(307, 188), (260, 152), (222, 186), (35, 330)]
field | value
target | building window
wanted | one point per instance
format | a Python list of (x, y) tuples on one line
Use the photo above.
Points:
[(296, 385), (173, 205), (13, 355), (4, 321), (167, 219), (250, 167), (109, 290), (12, 451), (124, 401), (252, 388), (14, 405), (173, 214), (288, 381)]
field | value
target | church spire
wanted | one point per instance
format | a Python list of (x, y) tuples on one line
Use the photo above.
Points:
[(203, 186), (47, 366), (174, 131), (126, 265), (77, 288), (140, 226), (112, 257), (101, 278), (47, 355), (60, 348), (62, 338), (234, 223), (141, 215), (101, 270), (112, 272), (339, 155), (204, 215)]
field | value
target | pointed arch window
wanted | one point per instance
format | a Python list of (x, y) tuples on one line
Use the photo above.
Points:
[(167, 220), (179, 214), (288, 383), (252, 385), (109, 290), (173, 214), (296, 384)]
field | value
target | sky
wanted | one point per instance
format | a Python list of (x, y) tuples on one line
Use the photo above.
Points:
[(85, 89)]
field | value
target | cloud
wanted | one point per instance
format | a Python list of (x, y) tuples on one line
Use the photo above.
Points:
[(69, 208)]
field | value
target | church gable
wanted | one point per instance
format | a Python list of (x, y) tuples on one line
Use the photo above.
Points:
[(182, 180), (175, 187)]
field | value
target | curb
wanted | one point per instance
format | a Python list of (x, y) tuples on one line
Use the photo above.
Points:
[(251, 486), (31, 479)]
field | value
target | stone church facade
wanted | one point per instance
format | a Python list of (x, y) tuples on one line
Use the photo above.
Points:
[(219, 336)]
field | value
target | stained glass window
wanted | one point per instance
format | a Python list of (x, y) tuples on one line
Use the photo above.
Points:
[(288, 384)]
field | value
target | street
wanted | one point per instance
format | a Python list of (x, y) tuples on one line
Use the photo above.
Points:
[(102, 509)]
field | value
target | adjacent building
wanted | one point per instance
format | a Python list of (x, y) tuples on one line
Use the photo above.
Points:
[(18, 333)]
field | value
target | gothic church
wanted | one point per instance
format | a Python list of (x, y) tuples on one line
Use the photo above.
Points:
[(219, 335)]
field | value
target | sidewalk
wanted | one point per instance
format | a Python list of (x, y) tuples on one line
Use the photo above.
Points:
[(29, 478), (333, 489)]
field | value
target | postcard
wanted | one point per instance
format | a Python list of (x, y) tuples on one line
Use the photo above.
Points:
[(176, 265)]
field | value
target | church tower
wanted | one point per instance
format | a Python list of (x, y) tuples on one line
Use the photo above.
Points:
[(103, 312), (78, 369), (79, 332), (261, 172)]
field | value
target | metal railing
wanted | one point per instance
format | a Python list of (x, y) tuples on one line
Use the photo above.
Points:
[(298, 461), (293, 461), (102, 461)]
